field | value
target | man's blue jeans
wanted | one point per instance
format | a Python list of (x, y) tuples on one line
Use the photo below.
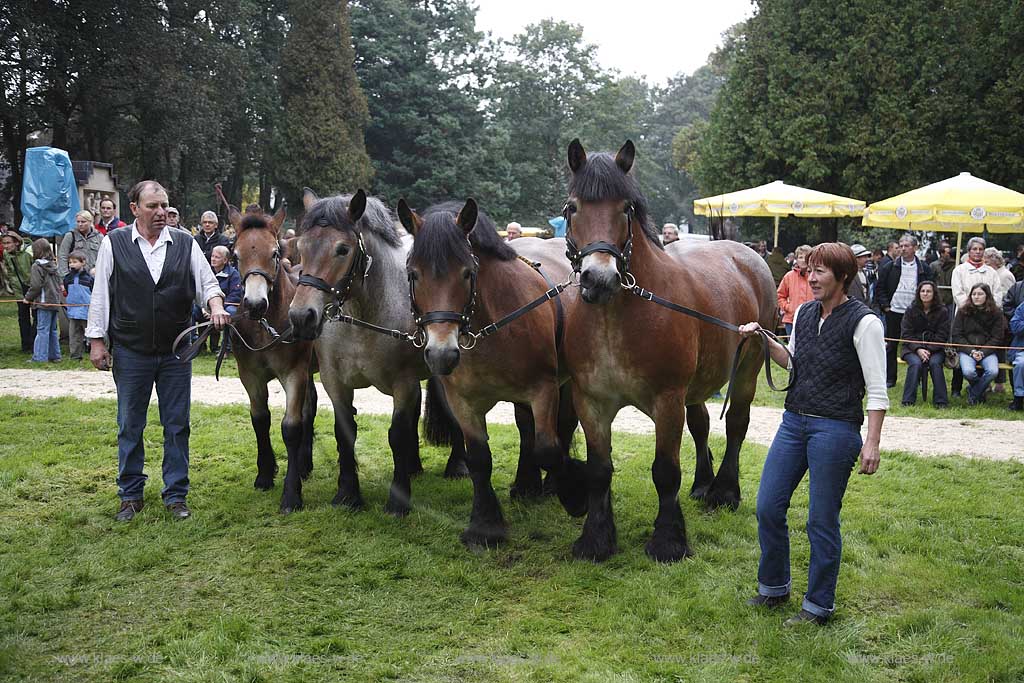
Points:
[(976, 385), (134, 375), (1018, 374), (829, 449)]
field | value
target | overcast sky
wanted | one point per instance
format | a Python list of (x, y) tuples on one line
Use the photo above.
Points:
[(653, 38)]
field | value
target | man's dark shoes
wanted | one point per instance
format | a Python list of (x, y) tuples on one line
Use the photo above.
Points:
[(179, 510), (805, 617), (1018, 403), (769, 601), (128, 510)]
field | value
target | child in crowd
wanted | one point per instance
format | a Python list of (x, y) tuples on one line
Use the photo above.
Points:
[(78, 290), (44, 288)]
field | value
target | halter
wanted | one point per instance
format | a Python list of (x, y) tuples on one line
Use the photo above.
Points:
[(462, 319), (341, 290), (271, 279), (576, 255)]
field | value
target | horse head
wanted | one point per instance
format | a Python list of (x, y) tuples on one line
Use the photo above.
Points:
[(442, 272), (331, 250), (603, 212), (258, 255)]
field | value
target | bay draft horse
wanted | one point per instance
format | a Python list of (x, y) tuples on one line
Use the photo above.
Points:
[(623, 350), (268, 290), (353, 262), (462, 276)]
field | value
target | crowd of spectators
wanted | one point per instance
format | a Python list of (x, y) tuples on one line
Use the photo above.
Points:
[(54, 290)]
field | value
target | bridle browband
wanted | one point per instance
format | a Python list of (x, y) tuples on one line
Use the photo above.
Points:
[(622, 257), (359, 267)]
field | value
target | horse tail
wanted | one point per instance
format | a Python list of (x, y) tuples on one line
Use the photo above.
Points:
[(439, 425)]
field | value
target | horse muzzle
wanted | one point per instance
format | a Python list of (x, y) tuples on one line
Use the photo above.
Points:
[(307, 322), (255, 308), (441, 352), (599, 282)]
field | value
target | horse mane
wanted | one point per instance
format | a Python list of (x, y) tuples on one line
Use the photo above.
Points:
[(440, 238), (377, 219), (253, 221), (601, 179)]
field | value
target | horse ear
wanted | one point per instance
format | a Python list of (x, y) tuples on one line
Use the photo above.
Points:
[(309, 198), (278, 220), (234, 217), (624, 159), (467, 217), (357, 205), (577, 155), (410, 221)]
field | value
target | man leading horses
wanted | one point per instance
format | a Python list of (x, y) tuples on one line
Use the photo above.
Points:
[(147, 277), (838, 349)]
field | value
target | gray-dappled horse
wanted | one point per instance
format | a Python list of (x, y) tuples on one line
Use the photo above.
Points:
[(353, 262)]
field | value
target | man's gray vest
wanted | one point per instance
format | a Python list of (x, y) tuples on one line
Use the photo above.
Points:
[(829, 379), (146, 316)]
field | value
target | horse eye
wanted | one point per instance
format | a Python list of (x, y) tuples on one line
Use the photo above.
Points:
[(466, 274), (572, 207), (413, 275), (342, 250)]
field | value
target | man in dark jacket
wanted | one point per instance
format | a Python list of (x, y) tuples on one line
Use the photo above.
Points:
[(942, 275), (210, 236), (897, 283)]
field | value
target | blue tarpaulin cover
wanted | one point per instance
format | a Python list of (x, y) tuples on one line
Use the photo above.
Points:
[(49, 194)]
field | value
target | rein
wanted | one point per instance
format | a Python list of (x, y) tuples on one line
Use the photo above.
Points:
[(648, 295), (192, 350)]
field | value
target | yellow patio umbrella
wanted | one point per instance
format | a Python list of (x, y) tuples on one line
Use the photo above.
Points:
[(778, 199), (963, 203)]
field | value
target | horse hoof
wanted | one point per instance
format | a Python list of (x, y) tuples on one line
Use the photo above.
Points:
[(354, 503), (700, 492), (263, 483), (396, 507), (526, 492), (484, 535), (594, 549), (550, 486), (665, 549), (716, 499), (289, 509), (456, 469)]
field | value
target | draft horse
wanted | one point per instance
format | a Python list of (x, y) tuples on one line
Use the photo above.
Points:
[(624, 350), (268, 290), (463, 277), (353, 263)]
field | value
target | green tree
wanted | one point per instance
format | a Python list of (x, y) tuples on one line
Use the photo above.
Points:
[(421, 65), (867, 98), (540, 95), (320, 131)]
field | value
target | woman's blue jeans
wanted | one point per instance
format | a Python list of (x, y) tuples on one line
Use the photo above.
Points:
[(977, 384), (828, 449)]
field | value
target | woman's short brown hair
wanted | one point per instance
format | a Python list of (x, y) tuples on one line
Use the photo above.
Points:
[(838, 258)]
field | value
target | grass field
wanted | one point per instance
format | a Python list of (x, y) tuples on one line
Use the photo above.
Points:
[(931, 589)]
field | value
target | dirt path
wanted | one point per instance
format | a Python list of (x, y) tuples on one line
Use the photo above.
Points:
[(989, 439)]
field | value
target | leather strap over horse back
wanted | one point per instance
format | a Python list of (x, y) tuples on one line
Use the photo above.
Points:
[(559, 309), (648, 295)]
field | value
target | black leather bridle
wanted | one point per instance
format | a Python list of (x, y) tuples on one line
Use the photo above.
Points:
[(271, 279), (460, 318), (622, 256), (359, 267)]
